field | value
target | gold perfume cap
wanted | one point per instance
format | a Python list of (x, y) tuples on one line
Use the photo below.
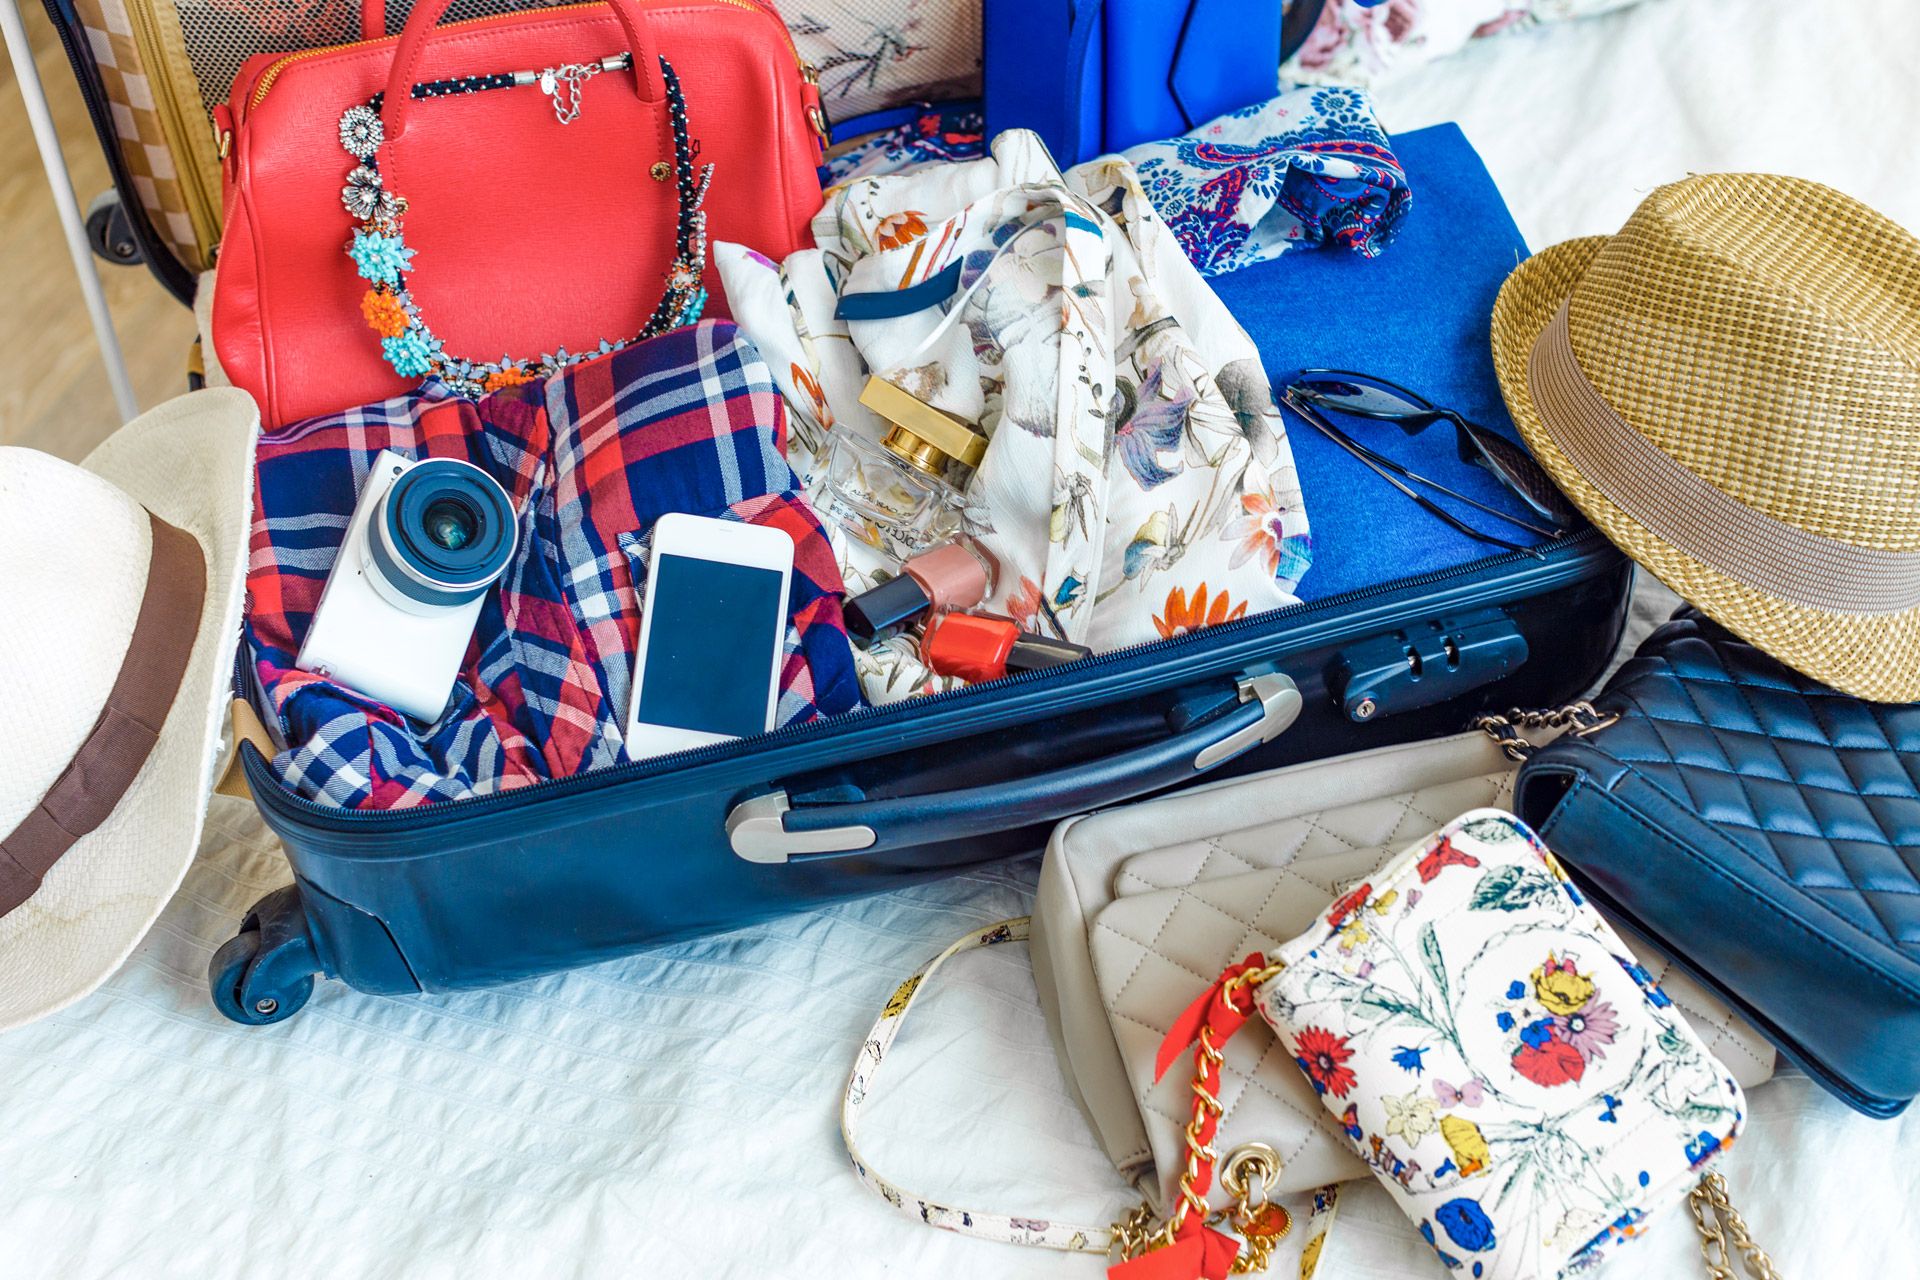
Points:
[(922, 436)]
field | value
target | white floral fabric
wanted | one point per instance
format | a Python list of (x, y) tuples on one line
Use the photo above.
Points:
[(1516, 1080), (1138, 484), (1370, 41)]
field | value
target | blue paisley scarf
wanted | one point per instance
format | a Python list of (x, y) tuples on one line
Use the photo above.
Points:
[(1309, 168)]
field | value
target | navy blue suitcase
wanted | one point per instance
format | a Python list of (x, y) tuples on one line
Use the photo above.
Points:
[(1405, 632)]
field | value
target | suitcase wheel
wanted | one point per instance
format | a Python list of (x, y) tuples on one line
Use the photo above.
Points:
[(110, 231), (265, 973)]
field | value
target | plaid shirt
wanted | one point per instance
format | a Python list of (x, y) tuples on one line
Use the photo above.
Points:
[(690, 421)]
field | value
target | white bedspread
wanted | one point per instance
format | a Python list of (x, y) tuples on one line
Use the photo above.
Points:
[(674, 1114)]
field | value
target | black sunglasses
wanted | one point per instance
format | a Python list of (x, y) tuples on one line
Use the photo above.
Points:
[(1365, 396)]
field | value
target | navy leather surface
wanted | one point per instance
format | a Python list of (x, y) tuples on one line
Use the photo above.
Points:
[(1766, 829)]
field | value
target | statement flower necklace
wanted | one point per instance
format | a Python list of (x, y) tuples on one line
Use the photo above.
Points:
[(380, 253)]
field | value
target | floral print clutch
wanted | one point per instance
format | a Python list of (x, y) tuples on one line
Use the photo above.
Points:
[(1491, 1048)]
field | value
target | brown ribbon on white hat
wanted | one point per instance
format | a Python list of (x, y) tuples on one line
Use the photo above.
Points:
[(111, 756), (1693, 515)]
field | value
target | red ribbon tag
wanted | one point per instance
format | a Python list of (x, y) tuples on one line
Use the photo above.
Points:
[(1209, 1010), (1197, 1253)]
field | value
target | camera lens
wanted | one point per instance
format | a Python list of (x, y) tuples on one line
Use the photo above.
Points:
[(442, 535), (450, 523)]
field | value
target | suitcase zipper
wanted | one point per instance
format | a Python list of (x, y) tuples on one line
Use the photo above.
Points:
[(263, 85), (1564, 550)]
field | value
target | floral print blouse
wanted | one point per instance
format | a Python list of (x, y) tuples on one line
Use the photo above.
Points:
[(1138, 484)]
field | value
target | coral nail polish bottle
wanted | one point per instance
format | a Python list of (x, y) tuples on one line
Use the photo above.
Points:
[(976, 647)]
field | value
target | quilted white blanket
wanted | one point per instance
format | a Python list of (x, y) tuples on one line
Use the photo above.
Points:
[(674, 1114)]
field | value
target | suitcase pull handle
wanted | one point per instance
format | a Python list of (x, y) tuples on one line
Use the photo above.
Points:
[(769, 829)]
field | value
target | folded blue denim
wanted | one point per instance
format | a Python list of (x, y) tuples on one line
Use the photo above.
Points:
[(1418, 316)]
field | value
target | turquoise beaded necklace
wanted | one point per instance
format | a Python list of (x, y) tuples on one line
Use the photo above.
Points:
[(380, 254)]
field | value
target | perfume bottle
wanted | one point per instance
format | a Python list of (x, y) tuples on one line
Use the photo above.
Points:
[(900, 495), (953, 575)]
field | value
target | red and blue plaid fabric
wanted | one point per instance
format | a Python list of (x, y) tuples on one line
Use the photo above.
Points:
[(690, 421)]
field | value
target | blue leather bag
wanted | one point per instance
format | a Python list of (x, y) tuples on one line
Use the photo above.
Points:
[(1765, 831), (1091, 76)]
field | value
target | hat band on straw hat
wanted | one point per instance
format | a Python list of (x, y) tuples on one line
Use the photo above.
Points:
[(1694, 516), (110, 757)]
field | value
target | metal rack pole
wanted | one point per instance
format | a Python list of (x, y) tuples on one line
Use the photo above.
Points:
[(61, 183)]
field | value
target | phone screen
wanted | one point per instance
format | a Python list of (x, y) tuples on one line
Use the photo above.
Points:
[(711, 646)]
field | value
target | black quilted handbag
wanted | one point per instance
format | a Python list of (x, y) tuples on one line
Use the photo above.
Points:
[(1765, 831)]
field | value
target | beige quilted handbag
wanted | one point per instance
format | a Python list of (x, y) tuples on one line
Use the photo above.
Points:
[(1140, 908)]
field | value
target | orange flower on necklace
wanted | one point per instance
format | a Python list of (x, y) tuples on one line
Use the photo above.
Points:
[(384, 313), (1183, 617), (500, 378), (900, 228)]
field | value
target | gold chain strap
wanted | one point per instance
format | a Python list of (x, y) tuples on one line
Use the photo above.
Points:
[(1262, 1225), (1578, 718), (1206, 1064), (1248, 1175), (1719, 1223), (1134, 1232)]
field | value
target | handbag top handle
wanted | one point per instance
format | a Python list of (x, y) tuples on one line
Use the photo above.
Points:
[(426, 16)]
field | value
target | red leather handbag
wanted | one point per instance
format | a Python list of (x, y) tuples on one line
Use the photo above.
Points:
[(529, 234)]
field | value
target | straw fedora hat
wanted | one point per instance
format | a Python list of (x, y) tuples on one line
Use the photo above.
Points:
[(122, 581), (1730, 389)]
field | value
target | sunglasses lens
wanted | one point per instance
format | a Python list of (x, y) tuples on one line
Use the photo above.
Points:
[(1522, 474), (1355, 396)]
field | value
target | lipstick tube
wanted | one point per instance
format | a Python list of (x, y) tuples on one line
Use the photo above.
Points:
[(975, 647), (955, 575)]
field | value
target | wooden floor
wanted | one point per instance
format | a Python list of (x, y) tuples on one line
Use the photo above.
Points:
[(53, 387)]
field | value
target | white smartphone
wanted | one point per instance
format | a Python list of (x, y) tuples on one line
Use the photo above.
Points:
[(711, 634)]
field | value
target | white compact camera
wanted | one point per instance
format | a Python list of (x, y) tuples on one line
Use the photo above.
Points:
[(425, 542)]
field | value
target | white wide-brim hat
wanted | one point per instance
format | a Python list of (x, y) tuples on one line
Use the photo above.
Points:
[(121, 583)]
